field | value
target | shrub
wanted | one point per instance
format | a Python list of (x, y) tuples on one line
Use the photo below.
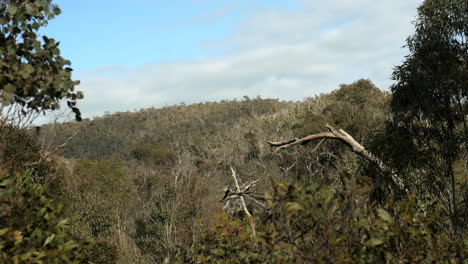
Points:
[(228, 241), (31, 229), (315, 223), (17, 147), (149, 154), (98, 195)]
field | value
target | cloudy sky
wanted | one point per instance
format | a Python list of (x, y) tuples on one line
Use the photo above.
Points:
[(132, 54)]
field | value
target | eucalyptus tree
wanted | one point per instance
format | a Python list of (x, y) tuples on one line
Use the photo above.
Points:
[(430, 97), (33, 75), (33, 79)]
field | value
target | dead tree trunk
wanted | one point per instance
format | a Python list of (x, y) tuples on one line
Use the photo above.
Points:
[(239, 194), (348, 140)]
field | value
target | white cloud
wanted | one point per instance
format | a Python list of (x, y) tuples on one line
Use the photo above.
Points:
[(274, 53)]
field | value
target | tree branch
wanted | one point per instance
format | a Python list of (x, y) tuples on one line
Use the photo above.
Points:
[(239, 193), (348, 140)]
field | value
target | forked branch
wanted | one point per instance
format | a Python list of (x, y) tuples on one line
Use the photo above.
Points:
[(348, 140), (238, 194)]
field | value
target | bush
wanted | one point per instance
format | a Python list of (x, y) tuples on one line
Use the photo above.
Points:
[(99, 252), (149, 154), (98, 195), (317, 224), (17, 147), (19, 150), (228, 241), (31, 229)]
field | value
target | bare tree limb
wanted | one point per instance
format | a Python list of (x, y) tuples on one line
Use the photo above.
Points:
[(50, 153), (66, 142), (239, 194), (241, 197), (348, 140)]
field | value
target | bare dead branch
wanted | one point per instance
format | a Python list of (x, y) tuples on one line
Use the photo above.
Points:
[(348, 140), (244, 206), (48, 154), (238, 194), (66, 142)]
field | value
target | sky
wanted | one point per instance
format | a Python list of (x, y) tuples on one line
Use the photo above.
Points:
[(133, 54)]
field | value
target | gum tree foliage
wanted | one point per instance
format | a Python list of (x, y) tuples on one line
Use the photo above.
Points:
[(33, 75), (431, 91)]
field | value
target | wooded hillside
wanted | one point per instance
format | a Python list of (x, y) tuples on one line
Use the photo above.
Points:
[(149, 184), (357, 175)]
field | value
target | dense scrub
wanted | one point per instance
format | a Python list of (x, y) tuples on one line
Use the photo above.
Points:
[(155, 186), (32, 226), (153, 195), (315, 223), (146, 186)]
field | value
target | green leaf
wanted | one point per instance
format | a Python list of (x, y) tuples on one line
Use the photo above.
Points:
[(37, 46), (18, 237), (6, 182), (3, 231), (375, 242), (57, 11), (49, 239), (29, 9), (218, 252), (6, 99), (12, 10), (26, 71), (294, 207), (385, 215), (41, 3), (62, 223), (11, 51)]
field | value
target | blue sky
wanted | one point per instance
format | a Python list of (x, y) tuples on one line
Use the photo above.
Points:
[(135, 32), (150, 53)]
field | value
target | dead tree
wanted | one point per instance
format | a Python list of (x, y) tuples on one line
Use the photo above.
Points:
[(348, 140), (235, 199)]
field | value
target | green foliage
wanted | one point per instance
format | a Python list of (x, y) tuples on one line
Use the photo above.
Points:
[(164, 230), (435, 72), (430, 99), (174, 128), (318, 224), (169, 200), (17, 147), (149, 154), (315, 223), (32, 72), (99, 252), (98, 199), (228, 241), (358, 108), (150, 229), (31, 227), (19, 150)]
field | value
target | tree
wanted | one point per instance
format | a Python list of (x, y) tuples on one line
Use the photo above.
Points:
[(33, 75), (431, 92)]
